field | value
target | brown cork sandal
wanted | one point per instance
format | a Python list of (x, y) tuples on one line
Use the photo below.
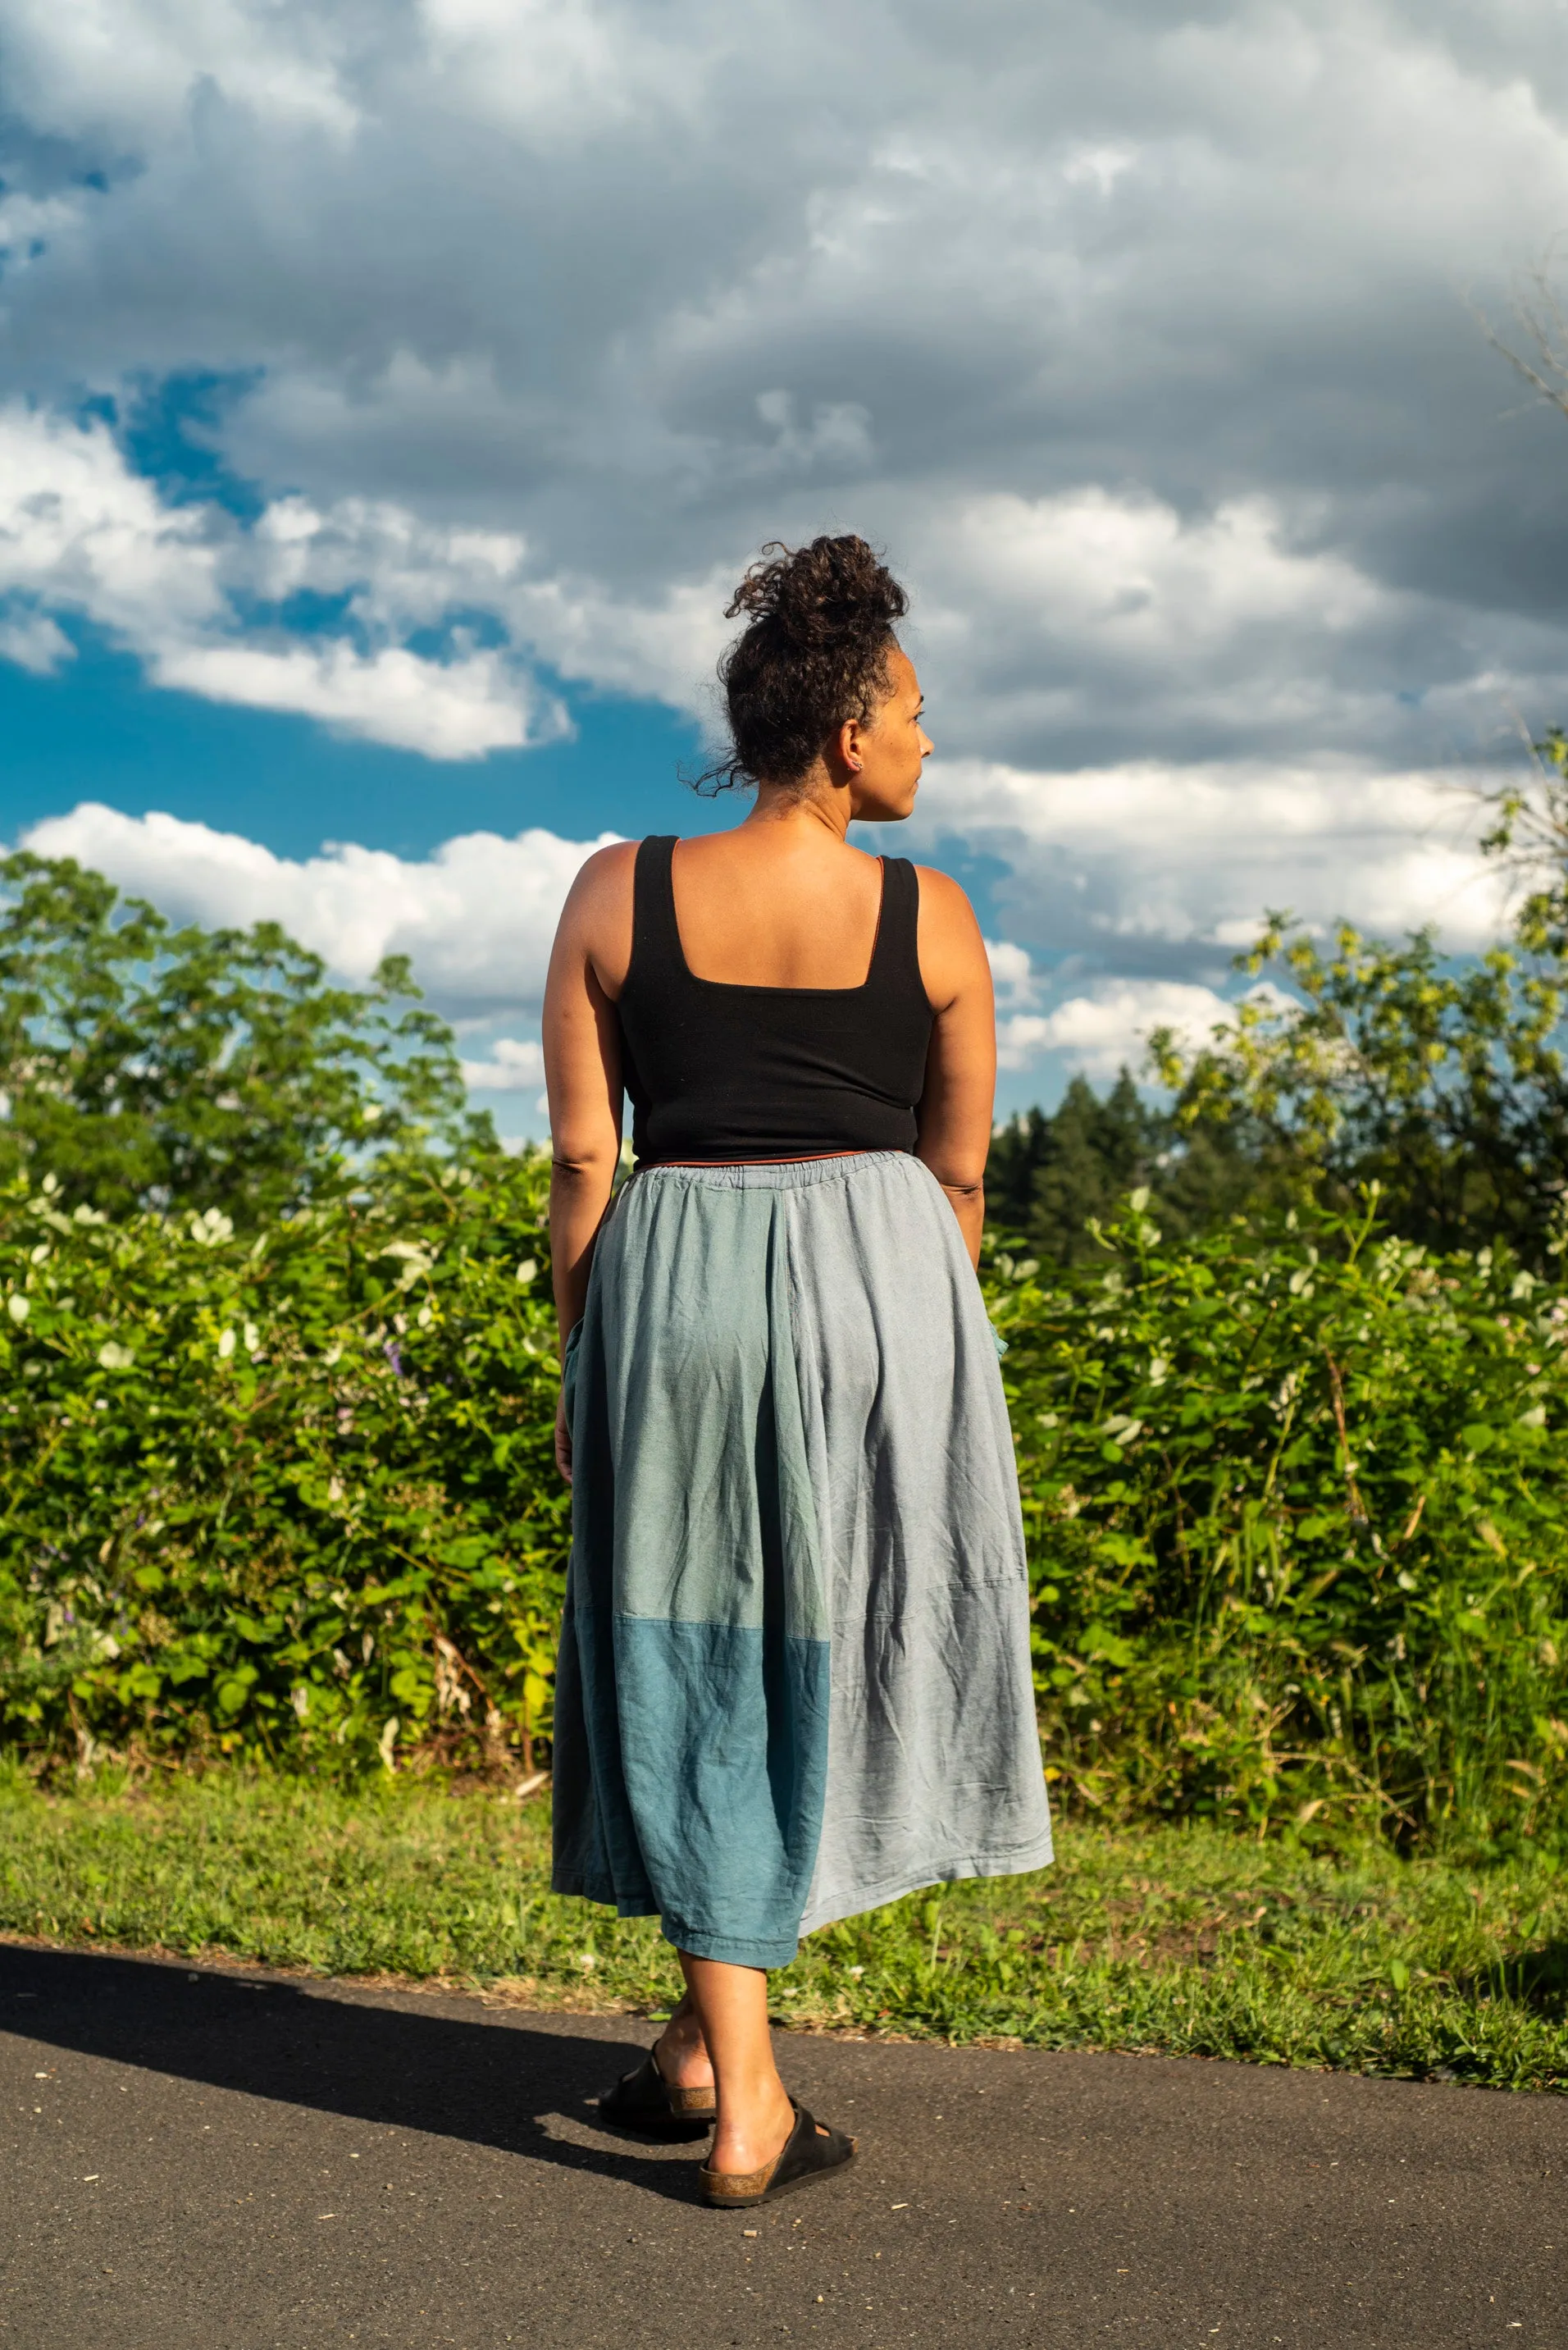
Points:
[(644, 2102), (811, 2151)]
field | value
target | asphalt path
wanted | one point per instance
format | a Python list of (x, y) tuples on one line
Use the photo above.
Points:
[(198, 2160)]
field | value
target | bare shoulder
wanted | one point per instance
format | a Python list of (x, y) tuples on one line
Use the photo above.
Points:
[(952, 950), (605, 876), (602, 889), (596, 919), (941, 896)]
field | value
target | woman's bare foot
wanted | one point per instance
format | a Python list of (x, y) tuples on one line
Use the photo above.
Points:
[(681, 2052), (755, 2136)]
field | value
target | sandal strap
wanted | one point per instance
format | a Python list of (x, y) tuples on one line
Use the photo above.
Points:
[(738, 2185), (684, 2103), (810, 2148), (689, 2102), (644, 2097)]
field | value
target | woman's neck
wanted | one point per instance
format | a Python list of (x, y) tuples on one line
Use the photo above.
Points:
[(809, 809)]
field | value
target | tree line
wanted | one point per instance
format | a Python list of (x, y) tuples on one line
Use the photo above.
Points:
[(150, 1067), (1370, 1062)]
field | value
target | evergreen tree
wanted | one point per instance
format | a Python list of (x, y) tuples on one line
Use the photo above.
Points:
[(1051, 1173)]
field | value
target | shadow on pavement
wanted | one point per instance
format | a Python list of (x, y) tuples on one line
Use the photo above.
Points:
[(403, 2067)]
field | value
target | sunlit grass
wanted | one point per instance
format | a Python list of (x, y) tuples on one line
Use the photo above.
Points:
[(1185, 1939)]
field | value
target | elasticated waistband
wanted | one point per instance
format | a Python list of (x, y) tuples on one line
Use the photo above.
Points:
[(772, 1174)]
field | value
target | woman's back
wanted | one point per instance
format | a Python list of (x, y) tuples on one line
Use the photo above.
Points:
[(723, 1064), (768, 905)]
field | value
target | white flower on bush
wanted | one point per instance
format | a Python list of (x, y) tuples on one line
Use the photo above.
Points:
[(17, 1307), (253, 1339), (526, 1271), (226, 1344), (114, 1357), (212, 1227), (416, 1260)]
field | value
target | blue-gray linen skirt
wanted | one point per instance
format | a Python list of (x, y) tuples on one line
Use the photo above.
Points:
[(795, 1677)]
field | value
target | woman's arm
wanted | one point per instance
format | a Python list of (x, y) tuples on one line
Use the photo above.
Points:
[(583, 1076), (955, 1112)]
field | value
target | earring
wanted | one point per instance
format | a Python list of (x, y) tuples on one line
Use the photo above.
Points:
[(854, 767)]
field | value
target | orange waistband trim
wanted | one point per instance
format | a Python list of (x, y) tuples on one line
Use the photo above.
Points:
[(783, 1159)]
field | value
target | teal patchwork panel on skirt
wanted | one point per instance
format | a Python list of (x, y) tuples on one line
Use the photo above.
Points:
[(797, 1589)]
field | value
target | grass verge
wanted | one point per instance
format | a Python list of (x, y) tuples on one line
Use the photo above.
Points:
[(1185, 1940)]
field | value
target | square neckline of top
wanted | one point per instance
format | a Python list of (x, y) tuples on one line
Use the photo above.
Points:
[(756, 987)]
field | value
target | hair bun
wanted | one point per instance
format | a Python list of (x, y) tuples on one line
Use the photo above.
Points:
[(835, 587), (814, 655)]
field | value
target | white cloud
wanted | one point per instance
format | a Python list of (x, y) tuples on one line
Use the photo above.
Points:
[(34, 643), (476, 917), (131, 66), (1109, 1028), (1054, 612), (80, 528), (448, 710), (1012, 974), (84, 534), (1127, 568), (517, 1065), (557, 71), (1167, 869)]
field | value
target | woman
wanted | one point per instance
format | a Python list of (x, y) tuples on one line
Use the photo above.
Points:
[(795, 1677)]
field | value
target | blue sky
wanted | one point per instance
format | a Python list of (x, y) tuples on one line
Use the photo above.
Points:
[(98, 730), (390, 399)]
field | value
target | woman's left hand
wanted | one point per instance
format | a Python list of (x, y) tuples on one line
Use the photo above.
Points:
[(563, 1436)]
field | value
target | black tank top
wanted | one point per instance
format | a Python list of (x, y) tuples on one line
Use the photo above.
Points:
[(722, 1071)]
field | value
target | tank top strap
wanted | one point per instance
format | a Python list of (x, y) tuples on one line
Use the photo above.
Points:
[(896, 959), (656, 953)]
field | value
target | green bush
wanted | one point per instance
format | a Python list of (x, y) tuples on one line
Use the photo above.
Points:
[(288, 1493), (1295, 1509), (1294, 1499)]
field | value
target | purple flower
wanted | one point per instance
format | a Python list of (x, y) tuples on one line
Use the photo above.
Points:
[(396, 1360)]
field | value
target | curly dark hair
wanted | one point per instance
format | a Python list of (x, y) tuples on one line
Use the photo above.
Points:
[(814, 656)]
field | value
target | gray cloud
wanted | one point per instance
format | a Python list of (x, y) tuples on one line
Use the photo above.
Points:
[(1138, 337)]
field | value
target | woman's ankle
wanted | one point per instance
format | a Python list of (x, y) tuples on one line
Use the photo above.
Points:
[(682, 2053), (755, 2131)]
